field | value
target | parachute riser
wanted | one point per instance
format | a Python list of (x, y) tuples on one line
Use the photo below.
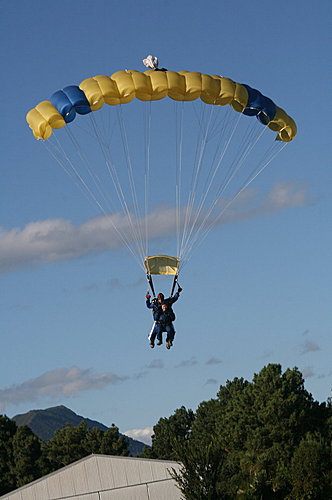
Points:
[(150, 282), (175, 282), (149, 278)]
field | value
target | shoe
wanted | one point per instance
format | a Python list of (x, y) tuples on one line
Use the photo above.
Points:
[(168, 344), (152, 345), (159, 342)]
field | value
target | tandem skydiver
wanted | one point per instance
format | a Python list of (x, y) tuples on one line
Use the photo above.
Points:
[(163, 316)]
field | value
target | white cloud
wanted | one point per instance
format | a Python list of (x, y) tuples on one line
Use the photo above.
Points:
[(188, 362), (155, 364), (310, 347), (211, 381), (56, 384), (308, 372), (52, 240), (213, 361), (283, 196), (143, 435)]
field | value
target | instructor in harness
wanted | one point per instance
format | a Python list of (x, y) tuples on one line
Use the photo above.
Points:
[(163, 316)]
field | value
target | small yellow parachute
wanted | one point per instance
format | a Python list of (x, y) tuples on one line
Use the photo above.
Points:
[(162, 264)]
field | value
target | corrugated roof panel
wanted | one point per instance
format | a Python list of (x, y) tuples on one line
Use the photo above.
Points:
[(105, 468), (80, 479), (159, 470), (89, 478), (53, 484), (88, 496), (145, 471), (41, 490), (92, 473), (118, 470), (138, 492), (132, 472), (164, 490), (28, 497), (67, 482), (33, 494)]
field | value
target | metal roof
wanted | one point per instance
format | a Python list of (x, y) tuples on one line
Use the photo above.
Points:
[(104, 477)]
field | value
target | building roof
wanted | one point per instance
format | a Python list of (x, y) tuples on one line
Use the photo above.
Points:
[(104, 477)]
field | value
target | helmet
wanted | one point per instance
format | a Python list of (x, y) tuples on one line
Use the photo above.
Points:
[(161, 296)]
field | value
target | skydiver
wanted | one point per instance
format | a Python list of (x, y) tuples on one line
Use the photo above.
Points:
[(156, 306), (165, 324)]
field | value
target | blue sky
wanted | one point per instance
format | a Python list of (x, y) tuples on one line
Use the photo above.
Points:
[(258, 289)]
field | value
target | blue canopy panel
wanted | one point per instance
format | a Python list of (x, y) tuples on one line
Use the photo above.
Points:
[(259, 105), (69, 101)]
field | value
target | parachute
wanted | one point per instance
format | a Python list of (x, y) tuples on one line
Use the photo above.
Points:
[(164, 169)]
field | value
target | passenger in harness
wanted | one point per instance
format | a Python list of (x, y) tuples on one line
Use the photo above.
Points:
[(165, 324), (158, 328)]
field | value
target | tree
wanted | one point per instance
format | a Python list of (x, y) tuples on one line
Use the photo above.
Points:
[(168, 432), (201, 466), (72, 443), (311, 468), (67, 445), (7, 474), (248, 442), (26, 456), (113, 443)]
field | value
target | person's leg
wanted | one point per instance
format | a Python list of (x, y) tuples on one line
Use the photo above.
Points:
[(170, 336), (152, 334), (160, 331)]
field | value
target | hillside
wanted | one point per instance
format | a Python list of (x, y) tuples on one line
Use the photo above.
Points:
[(44, 423)]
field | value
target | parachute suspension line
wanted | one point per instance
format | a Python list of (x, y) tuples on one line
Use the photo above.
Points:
[(66, 163), (257, 171), (245, 148), (58, 153), (200, 150), (124, 137), (178, 168), (85, 161), (111, 169), (225, 137), (147, 150)]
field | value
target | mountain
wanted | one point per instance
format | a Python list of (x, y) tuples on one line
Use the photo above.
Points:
[(44, 423)]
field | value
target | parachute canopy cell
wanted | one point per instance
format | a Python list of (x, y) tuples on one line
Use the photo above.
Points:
[(123, 86), (162, 264)]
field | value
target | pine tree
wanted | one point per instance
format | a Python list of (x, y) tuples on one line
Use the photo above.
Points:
[(26, 456), (7, 475)]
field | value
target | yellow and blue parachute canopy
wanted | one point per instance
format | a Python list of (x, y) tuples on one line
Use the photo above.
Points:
[(162, 264), (123, 86)]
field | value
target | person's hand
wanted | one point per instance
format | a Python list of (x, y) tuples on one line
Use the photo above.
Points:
[(179, 289)]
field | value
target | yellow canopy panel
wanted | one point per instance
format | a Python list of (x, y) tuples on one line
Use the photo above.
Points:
[(162, 264)]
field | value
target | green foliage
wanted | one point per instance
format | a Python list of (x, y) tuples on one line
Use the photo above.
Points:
[(72, 443), (68, 445), (26, 456), (7, 432), (168, 432), (112, 443), (200, 471), (264, 440), (252, 441), (311, 468)]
